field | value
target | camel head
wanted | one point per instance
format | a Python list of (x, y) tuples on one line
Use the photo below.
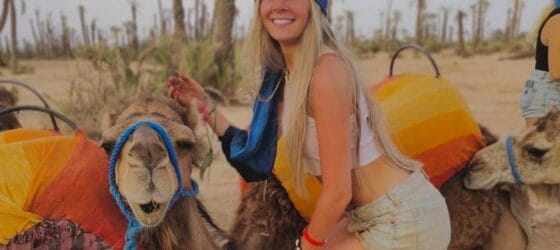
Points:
[(144, 174), (536, 155)]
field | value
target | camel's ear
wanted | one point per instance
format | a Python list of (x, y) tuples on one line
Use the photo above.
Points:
[(108, 120)]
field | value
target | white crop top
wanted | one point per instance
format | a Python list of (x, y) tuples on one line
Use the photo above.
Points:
[(368, 151)]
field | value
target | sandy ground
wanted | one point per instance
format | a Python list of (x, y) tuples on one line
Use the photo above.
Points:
[(490, 86)]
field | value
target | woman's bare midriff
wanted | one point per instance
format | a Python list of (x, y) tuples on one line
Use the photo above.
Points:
[(379, 177)]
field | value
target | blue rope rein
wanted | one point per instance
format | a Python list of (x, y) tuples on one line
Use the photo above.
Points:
[(511, 160), (134, 227)]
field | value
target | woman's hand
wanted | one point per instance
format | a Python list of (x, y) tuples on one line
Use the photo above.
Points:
[(184, 89)]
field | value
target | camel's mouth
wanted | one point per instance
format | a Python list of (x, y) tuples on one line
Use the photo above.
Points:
[(149, 214), (149, 208)]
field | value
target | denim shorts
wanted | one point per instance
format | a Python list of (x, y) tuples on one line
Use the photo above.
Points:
[(413, 215), (539, 95)]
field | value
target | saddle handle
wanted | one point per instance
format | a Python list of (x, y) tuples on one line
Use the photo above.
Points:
[(49, 111), (28, 87), (417, 48)]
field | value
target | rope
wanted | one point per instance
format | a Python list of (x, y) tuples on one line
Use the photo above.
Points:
[(511, 160), (133, 225)]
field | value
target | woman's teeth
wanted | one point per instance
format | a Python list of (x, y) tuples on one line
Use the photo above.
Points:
[(282, 21)]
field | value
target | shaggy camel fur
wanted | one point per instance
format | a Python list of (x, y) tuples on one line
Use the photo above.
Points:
[(147, 180), (267, 218), (536, 205), (8, 98)]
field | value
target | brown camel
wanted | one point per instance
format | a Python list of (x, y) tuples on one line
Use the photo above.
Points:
[(147, 180), (536, 154), (8, 98), (267, 218)]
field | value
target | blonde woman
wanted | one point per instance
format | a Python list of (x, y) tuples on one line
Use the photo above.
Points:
[(542, 91), (310, 95)]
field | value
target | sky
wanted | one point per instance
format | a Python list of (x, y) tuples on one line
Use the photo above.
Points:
[(367, 12)]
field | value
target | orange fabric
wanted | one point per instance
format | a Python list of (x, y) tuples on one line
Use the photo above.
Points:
[(430, 121), (22, 134), (26, 167), (443, 161), (47, 175), (80, 193), (425, 135)]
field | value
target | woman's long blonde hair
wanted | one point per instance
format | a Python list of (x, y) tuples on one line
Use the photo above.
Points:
[(262, 49)]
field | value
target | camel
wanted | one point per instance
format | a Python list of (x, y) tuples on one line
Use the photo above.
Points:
[(536, 153), (8, 98), (147, 180), (267, 219)]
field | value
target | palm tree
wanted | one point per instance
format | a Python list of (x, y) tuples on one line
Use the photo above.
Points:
[(13, 15), (420, 8), (179, 17), (224, 15), (5, 12)]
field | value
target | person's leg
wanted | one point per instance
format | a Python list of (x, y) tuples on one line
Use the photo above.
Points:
[(533, 99), (340, 238)]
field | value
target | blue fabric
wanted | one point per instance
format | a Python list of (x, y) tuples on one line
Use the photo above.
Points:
[(325, 5), (558, 3), (254, 152), (134, 226)]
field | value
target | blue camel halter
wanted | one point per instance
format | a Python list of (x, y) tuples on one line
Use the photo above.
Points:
[(133, 225), (511, 160)]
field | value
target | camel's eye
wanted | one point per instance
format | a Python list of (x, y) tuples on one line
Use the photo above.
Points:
[(108, 147), (536, 153), (184, 144)]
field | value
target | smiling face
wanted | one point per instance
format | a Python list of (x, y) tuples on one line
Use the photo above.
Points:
[(285, 20)]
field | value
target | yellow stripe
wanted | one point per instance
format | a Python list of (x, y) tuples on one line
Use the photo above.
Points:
[(15, 178), (426, 135), (419, 100)]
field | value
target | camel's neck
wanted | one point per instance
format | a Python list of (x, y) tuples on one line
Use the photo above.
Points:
[(537, 209), (182, 228)]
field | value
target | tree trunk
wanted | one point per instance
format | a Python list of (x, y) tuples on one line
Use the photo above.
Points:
[(474, 25), (134, 28), (179, 17), (65, 38), (13, 57), (444, 26), (5, 12), (460, 17), (514, 19), (162, 23), (197, 20), (508, 26), (421, 6), (388, 23), (35, 38), (93, 28), (224, 15), (85, 35)]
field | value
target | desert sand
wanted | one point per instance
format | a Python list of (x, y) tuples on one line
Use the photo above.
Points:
[(491, 87)]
